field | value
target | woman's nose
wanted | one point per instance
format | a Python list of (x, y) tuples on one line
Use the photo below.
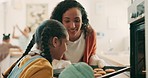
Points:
[(72, 25)]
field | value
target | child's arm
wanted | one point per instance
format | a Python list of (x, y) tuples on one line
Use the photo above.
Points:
[(23, 33), (13, 34)]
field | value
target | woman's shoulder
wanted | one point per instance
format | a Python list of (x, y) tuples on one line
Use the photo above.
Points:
[(91, 37), (91, 33)]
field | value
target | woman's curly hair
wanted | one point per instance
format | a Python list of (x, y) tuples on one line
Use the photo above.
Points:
[(65, 5)]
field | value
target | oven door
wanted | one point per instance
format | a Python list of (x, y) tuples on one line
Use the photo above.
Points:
[(137, 49)]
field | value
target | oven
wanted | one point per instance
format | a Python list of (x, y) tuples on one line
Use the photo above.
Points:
[(137, 39)]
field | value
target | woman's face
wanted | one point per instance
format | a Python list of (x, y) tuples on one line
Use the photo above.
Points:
[(59, 47), (72, 20)]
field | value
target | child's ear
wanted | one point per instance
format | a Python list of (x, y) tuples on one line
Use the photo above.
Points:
[(55, 41)]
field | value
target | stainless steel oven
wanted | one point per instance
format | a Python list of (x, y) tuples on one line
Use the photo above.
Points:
[(137, 39)]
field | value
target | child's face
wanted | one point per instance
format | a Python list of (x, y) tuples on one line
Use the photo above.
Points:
[(59, 48)]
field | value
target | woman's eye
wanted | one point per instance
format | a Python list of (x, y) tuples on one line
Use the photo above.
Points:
[(77, 21), (66, 21)]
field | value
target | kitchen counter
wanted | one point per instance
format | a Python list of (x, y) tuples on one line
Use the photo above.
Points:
[(117, 59)]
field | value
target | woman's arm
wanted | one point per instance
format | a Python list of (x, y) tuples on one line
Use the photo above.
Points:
[(90, 48)]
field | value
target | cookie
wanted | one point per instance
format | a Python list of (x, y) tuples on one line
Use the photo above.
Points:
[(97, 75), (95, 71), (101, 72), (109, 70), (98, 69)]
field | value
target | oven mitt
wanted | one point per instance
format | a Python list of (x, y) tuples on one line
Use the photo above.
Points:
[(95, 60), (77, 70), (58, 64)]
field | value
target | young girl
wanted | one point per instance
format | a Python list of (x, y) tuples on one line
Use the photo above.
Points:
[(51, 39)]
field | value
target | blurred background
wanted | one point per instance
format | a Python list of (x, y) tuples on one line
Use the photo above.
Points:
[(109, 18)]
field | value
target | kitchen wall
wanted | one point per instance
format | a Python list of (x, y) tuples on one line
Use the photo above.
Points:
[(107, 17), (2, 20)]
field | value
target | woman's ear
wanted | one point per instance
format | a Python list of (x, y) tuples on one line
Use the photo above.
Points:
[(55, 41)]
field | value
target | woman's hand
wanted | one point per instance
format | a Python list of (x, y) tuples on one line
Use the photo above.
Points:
[(96, 61), (101, 63)]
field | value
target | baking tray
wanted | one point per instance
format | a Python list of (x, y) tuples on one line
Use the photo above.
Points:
[(56, 72), (118, 70)]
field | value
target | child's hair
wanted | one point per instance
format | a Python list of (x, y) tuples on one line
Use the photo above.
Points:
[(6, 37), (44, 34)]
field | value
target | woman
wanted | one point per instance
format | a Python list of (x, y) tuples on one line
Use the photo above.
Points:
[(51, 44), (82, 44)]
